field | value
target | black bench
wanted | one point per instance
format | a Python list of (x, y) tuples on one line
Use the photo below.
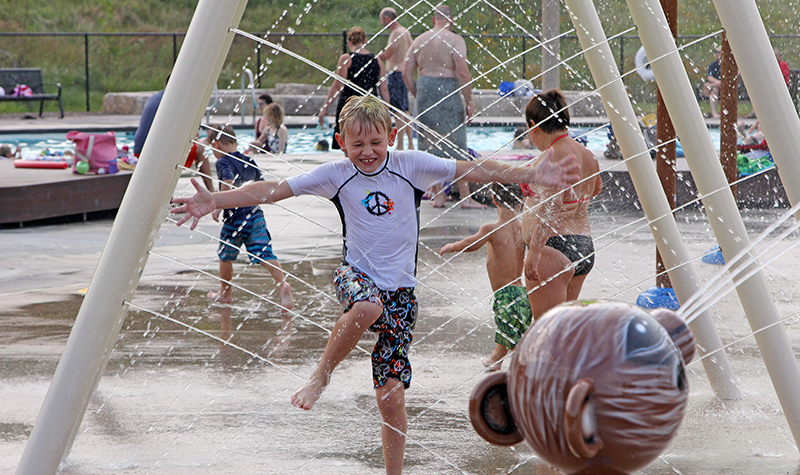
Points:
[(11, 78)]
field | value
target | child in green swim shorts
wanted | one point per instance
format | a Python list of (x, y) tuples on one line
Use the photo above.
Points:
[(505, 262)]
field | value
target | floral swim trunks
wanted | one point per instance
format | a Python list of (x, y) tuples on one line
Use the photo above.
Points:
[(512, 314), (395, 326)]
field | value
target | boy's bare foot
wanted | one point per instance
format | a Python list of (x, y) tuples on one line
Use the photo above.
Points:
[(287, 301), (492, 365), (221, 297), (305, 397), (472, 204)]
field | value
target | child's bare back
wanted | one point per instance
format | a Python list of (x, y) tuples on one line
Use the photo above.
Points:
[(505, 263), (505, 246)]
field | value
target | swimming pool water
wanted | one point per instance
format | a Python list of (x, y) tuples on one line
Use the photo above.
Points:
[(303, 140)]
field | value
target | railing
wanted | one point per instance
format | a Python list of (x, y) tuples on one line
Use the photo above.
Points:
[(146, 53)]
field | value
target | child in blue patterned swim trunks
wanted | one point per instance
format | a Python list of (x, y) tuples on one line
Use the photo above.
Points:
[(394, 327), (377, 194), (241, 225), (505, 262)]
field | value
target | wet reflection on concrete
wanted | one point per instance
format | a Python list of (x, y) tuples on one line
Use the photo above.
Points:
[(175, 401)]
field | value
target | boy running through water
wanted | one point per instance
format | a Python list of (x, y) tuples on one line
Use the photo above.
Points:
[(241, 225), (377, 194), (505, 263)]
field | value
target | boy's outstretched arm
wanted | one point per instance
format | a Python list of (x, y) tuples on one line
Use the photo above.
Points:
[(469, 244), (548, 171), (252, 194)]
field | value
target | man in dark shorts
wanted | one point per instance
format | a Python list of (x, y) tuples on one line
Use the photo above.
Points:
[(439, 57), (394, 55), (713, 83)]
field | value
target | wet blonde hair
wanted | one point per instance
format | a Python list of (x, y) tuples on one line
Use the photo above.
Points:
[(364, 111), (274, 113)]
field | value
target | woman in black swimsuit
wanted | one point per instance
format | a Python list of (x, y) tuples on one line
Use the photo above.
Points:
[(362, 69), (560, 248)]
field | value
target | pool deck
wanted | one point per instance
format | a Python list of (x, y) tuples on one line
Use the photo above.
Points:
[(174, 402)]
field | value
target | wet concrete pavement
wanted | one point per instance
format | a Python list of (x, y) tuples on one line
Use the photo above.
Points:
[(174, 400)]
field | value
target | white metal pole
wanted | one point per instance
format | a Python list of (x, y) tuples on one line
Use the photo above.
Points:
[(142, 211), (766, 87), (645, 179), (721, 207)]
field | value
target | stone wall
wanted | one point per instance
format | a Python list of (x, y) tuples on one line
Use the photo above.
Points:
[(307, 99)]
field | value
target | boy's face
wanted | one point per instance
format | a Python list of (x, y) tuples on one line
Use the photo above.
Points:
[(366, 145)]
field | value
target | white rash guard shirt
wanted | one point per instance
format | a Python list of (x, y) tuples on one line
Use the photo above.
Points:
[(379, 212)]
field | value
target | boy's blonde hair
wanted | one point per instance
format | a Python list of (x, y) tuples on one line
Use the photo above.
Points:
[(364, 111), (220, 132), (274, 113)]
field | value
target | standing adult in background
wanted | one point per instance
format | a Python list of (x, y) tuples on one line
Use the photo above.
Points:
[(394, 55), (439, 56), (359, 67), (146, 121), (713, 82)]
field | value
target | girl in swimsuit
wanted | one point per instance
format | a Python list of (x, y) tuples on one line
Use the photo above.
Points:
[(275, 135), (560, 249)]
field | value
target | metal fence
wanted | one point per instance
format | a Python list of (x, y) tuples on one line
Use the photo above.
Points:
[(92, 64)]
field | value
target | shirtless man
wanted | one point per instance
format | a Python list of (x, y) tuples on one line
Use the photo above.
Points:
[(394, 55), (440, 58)]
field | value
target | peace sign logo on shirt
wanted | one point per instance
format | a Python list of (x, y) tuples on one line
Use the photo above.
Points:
[(378, 203)]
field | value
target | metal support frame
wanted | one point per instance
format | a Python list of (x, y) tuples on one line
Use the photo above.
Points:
[(140, 215), (645, 179)]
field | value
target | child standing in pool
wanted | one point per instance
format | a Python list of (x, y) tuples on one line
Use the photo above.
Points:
[(377, 194), (505, 260), (243, 225), (274, 136)]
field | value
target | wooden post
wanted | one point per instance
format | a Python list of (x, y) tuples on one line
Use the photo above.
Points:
[(729, 113), (665, 154)]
